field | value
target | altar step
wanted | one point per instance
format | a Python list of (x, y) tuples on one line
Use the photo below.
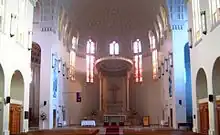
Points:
[(112, 130)]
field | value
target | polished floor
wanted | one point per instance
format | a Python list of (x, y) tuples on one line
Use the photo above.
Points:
[(102, 131)]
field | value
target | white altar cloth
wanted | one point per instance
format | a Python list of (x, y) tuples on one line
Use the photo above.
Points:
[(88, 123)]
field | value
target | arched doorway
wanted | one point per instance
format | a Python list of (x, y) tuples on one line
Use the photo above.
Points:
[(16, 105), (202, 95), (2, 82), (35, 86), (216, 88)]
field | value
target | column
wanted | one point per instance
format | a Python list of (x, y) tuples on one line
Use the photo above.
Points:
[(100, 92), (127, 92)]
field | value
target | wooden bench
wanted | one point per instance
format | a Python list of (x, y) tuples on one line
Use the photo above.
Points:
[(63, 132), (157, 132)]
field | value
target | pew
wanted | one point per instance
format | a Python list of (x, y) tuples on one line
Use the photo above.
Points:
[(63, 132)]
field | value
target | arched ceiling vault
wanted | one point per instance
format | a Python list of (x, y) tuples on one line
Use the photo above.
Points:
[(107, 20)]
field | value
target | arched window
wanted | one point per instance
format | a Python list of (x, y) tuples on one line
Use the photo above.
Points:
[(154, 54), (114, 48), (164, 17), (74, 42), (152, 40), (196, 20), (215, 5), (138, 61), (90, 60), (157, 32), (160, 26)]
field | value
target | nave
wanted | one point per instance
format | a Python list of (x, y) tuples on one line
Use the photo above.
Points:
[(115, 131)]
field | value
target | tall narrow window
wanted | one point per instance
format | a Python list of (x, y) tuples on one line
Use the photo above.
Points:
[(90, 59), (72, 65), (1, 14), (215, 13), (137, 61), (154, 54), (157, 32), (114, 48), (196, 20), (160, 26), (20, 26)]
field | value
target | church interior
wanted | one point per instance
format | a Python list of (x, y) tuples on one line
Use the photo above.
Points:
[(107, 67)]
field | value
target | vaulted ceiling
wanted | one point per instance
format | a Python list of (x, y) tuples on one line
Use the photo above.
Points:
[(114, 18)]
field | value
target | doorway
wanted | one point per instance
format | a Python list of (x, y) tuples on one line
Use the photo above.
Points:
[(171, 117), (204, 118), (15, 119), (54, 118)]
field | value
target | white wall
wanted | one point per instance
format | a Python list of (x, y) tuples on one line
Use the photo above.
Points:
[(203, 55), (76, 111), (20, 60)]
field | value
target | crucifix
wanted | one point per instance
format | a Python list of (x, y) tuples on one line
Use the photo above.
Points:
[(114, 93)]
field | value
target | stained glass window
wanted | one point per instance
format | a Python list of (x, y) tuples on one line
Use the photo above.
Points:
[(160, 26), (114, 48), (164, 16), (90, 60), (137, 61), (154, 54)]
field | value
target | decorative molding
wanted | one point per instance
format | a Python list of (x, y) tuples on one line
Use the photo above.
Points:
[(33, 2)]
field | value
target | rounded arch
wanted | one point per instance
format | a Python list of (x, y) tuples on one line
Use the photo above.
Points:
[(157, 31), (201, 84), (216, 77), (2, 85), (17, 86), (36, 53), (2, 81), (164, 15), (160, 24), (152, 40), (34, 89)]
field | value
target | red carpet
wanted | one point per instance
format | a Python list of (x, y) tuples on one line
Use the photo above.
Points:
[(112, 130)]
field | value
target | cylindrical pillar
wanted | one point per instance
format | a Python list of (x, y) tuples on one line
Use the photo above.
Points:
[(100, 92), (127, 92)]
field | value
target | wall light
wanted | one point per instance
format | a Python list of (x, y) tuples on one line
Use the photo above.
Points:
[(166, 64), (159, 72), (59, 64), (12, 25), (203, 22), (64, 68), (171, 59), (30, 33), (190, 37), (162, 68)]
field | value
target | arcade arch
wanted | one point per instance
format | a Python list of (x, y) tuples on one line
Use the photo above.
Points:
[(216, 88), (17, 102), (201, 96), (35, 85), (2, 82)]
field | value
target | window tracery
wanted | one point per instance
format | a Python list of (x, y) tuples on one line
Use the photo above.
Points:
[(114, 48), (154, 54), (90, 60), (138, 61)]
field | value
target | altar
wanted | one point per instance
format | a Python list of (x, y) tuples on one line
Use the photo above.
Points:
[(116, 118)]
